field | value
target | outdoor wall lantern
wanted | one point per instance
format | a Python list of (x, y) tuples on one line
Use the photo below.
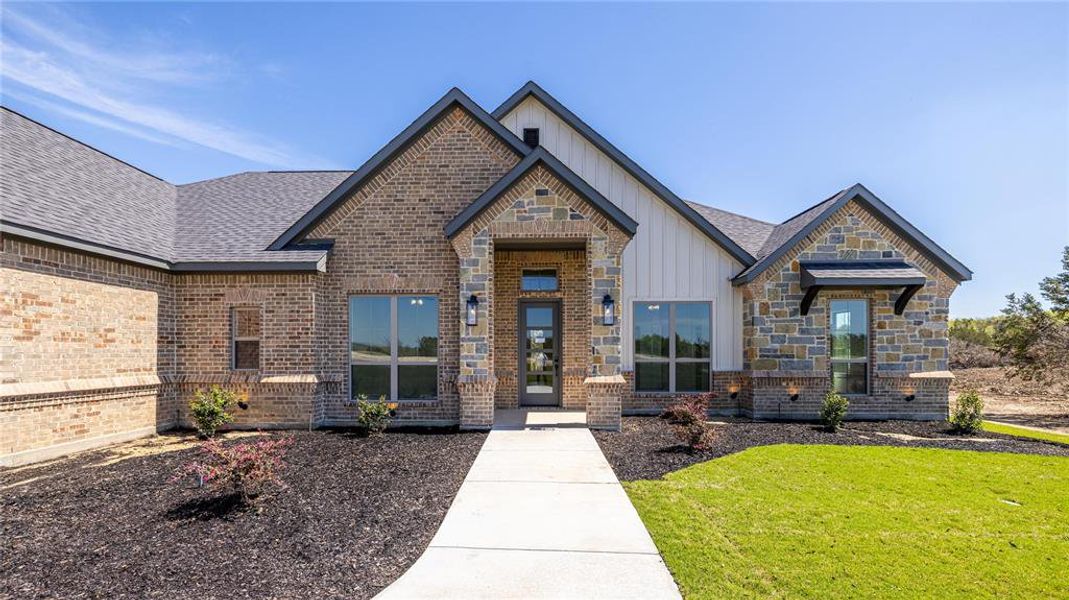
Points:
[(794, 397), (608, 316), (473, 311), (792, 392), (910, 398)]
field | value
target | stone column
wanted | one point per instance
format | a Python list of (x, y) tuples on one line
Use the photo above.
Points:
[(476, 382)]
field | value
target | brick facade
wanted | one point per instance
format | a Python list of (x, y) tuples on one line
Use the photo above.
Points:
[(85, 345), (388, 240), (572, 293), (94, 350)]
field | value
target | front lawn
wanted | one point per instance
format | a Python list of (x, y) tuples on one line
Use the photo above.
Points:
[(825, 521), (1046, 436)]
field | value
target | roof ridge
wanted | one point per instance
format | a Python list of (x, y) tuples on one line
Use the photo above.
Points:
[(724, 210), (85, 144)]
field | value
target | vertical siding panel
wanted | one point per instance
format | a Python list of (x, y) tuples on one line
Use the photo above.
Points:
[(668, 258)]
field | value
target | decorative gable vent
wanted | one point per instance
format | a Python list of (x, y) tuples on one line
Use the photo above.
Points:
[(530, 136), (541, 191)]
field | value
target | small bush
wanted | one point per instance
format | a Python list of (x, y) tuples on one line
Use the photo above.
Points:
[(692, 409), (833, 411), (697, 436), (247, 469), (209, 409), (375, 417), (968, 413)]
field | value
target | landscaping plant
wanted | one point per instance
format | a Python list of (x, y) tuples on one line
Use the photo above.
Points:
[(209, 409), (833, 411), (688, 421), (247, 469), (968, 413), (375, 417)]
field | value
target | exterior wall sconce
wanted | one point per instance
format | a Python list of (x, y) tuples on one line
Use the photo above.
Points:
[(473, 311), (608, 310), (910, 398), (793, 391), (794, 397), (734, 390)]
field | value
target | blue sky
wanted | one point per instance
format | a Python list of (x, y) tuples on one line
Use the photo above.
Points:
[(955, 114)]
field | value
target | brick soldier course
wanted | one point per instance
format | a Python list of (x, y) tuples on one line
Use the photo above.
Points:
[(118, 292)]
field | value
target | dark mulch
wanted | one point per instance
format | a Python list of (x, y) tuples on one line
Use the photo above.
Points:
[(646, 448), (356, 514)]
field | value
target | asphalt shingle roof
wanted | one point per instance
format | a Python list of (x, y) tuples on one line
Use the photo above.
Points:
[(52, 182), (55, 183), (238, 216)]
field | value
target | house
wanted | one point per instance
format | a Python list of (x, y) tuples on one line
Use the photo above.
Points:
[(477, 261)]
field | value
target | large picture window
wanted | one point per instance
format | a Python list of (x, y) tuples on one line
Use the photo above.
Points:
[(672, 346), (393, 347), (850, 346)]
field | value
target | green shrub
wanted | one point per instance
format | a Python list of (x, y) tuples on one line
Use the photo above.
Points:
[(833, 411), (374, 417), (209, 409), (968, 413)]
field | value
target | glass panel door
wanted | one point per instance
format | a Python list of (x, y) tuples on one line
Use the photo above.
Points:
[(539, 326)]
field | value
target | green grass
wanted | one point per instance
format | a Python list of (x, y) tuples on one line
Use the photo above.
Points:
[(850, 521), (1046, 436)]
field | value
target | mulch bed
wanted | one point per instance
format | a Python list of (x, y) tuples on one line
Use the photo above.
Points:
[(355, 514), (646, 448)]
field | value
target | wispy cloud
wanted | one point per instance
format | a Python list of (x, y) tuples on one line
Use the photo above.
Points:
[(117, 88)]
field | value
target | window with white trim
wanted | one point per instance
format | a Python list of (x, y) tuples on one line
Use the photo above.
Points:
[(245, 338), (673, 346), (393, 347), (849, 346)]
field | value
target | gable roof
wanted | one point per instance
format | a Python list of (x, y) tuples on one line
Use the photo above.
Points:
[(383, 156), (709, 229), (50, 182), (792, 231), (540, 156)]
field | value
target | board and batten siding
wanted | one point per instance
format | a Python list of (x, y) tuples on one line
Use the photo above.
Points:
[(669, 258)]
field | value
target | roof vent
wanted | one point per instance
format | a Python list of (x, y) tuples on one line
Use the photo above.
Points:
[(530, 136)]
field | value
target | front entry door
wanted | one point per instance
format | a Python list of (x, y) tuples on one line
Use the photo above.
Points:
[(539, 353)]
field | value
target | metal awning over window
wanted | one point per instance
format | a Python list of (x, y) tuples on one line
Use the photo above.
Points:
[(816, 276)]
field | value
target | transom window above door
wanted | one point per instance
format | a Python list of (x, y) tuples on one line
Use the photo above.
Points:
[(673, 346), (539, 280), (393, 347)]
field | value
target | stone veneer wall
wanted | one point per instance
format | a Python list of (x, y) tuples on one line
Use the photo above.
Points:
[(573, 295), (85, 344), (787, 353), (388, 239)]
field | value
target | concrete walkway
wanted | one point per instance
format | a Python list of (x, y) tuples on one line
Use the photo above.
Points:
[(540, 515)]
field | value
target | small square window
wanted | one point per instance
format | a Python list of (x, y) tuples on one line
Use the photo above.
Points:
[(539, 280), (245, 339)]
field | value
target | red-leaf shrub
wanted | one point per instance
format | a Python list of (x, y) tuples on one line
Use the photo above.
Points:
[(691, 409), (688, 421), (247, 469)]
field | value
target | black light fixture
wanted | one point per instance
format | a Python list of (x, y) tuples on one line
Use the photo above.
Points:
[(473, 311), (608, 314), (794, 397), (910, 398)]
